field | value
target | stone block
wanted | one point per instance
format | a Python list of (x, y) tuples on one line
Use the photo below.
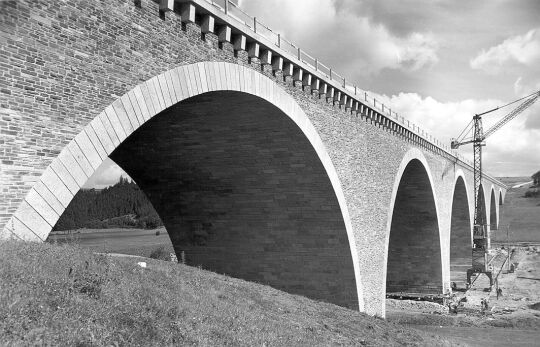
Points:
[(253, 50), (224, 33), (74, 168), (208, 24), (239, 43), (42, 207), (187, 13)]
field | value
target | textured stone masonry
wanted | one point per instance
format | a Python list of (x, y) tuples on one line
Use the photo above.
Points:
[(81, 81)]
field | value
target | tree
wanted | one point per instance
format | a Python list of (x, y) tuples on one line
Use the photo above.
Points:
[(121, 205), (536, 179)]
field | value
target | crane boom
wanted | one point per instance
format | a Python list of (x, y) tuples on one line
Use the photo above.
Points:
[(526, 104), (481, 240)]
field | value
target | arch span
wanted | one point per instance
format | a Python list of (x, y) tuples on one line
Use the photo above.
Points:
[(493, 211), (482, 206), (414, 256), (460, 232), (231, 178)]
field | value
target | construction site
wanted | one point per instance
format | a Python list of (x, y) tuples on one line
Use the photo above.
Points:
[(501, 289)]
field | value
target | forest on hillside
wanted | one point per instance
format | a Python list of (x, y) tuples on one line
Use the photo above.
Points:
[(121, 205)]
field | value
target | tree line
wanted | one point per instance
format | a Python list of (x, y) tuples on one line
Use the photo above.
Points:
[(121, 205), (534, 192)]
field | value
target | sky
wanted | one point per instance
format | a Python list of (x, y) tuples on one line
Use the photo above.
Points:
[(435, 62)]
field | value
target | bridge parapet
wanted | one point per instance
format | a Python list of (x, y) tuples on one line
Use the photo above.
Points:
[(246, 33)]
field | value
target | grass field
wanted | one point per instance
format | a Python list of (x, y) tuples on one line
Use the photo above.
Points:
[(126, 241), (520, 213), (64, 295)]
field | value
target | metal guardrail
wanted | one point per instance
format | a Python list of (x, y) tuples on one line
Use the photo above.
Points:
[(281, 44)]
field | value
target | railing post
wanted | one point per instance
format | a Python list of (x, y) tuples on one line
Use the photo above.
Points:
[(344, 83), (316, 65), (255, 24), (299, 54), (330, 73), (365, 95), (355, 90), (226, 6), (279, 40), (382, 107)]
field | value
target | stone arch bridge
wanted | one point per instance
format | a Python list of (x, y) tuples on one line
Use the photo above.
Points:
[(261, 165)]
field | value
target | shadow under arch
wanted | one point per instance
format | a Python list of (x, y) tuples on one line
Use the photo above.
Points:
[(325, 254), (460, 232), (414, 256), (482, 206), (493, 215)]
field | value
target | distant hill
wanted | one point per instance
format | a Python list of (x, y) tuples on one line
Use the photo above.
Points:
[(121, 205)]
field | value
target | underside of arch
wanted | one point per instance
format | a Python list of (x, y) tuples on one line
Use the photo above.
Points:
[(242, 192), (414, 250), (236, 171), (482, 206), (460, 234), (493, 220)]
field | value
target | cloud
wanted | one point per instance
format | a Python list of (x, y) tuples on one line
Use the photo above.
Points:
[(522, 49), (514, 150), (342, 38), (107, 174)]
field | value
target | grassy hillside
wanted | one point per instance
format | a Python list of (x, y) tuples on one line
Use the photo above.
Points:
[(65, 295), (520, 212)]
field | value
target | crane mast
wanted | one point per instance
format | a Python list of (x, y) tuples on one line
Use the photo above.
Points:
[(481, 239)]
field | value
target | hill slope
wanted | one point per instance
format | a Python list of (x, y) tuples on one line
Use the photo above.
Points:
[(65, 295), (519, 212)]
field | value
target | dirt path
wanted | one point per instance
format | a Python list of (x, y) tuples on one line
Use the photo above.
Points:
[(522, 184), (511, 320)]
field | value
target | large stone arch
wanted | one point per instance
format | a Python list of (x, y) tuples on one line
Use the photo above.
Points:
[(414, 250), (60, 181), (461, 223)]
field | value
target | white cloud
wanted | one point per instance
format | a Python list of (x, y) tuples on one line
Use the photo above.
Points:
[(107, 174), (514, 150), (418, 51), (349, 43), (522, 49)]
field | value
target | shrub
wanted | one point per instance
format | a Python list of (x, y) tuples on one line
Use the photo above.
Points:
[(160, 253), (531, 193)]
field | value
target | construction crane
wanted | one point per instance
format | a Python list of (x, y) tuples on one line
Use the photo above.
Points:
[(480, 263)]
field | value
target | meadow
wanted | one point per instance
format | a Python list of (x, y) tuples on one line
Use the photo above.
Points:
[(66, 295), (521, 215)]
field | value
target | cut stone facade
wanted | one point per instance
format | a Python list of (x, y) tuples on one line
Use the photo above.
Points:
[(249, 159)]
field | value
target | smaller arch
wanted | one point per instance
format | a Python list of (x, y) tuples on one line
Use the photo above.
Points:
[(482, 207), (501, 201), (461, 222), (413, 257), (493, 211)]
